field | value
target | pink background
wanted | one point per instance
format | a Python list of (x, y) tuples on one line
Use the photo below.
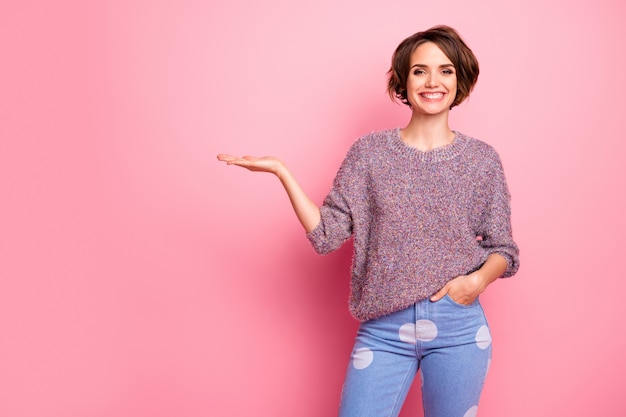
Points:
[(140, 277)]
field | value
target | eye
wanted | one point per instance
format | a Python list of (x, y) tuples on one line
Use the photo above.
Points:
[(448, 71), (418, 71)]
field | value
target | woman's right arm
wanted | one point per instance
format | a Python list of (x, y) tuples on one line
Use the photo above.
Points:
[(307, 212)]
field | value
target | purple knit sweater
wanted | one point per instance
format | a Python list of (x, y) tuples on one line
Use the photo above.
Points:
[(418, 218)]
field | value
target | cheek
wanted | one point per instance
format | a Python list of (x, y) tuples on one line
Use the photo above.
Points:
[(455, 95), (454, 87)]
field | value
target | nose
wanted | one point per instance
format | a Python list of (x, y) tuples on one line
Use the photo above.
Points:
[(432, 81)]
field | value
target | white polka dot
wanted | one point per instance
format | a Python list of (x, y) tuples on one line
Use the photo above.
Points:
[(407, 333), (426, 330), (483, 337), (471, 412), (362, 358)]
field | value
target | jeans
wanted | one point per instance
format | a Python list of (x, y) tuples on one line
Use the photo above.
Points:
[(448, 342)]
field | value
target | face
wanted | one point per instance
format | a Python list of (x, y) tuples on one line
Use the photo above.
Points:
[(431, 84)]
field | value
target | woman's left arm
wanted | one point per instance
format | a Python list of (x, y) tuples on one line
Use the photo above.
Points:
[(496, 240)]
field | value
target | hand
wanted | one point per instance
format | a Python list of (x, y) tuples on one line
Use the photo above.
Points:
[(263, 164), (463, 289)]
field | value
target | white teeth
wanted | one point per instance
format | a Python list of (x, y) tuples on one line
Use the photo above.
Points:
[(433, 95)]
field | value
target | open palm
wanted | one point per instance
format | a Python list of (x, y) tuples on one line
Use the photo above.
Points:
[(252, 163)]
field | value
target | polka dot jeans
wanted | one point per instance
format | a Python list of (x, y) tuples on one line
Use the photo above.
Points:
[(448, 342)]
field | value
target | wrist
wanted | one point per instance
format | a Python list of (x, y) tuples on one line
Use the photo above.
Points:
[(481, 280), (281, 170)]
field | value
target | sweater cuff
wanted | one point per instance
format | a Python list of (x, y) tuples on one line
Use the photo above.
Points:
[(512, 263)]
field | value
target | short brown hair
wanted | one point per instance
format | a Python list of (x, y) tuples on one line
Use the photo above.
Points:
[(449, 41)]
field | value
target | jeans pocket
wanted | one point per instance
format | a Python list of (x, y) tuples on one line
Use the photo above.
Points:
[(459, 305)]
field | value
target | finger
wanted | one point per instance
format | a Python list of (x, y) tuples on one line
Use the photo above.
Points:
[(226, 157), (439, 294)]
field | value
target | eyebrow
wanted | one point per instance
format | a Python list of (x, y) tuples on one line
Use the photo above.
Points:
[(426, 66)]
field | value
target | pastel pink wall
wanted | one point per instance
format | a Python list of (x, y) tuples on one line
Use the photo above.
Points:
[(140, 277)]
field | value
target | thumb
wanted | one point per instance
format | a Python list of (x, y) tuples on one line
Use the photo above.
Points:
[(439, 294)]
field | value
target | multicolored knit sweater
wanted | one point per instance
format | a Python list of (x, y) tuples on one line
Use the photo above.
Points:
[(418, 218)]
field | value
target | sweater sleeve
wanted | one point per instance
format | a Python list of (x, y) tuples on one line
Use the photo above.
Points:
[(345, 204), (496, 232)]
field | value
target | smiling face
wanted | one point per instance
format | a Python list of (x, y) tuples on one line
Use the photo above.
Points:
[(431, 84)]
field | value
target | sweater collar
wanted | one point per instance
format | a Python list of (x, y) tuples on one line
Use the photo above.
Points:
[(442, 153)]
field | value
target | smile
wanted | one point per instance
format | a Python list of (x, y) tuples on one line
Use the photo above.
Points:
[(432, 96)]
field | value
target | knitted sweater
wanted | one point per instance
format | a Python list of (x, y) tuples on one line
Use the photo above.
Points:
[(418, 219)]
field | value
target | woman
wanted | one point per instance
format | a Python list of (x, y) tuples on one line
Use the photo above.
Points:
[(429, 212)]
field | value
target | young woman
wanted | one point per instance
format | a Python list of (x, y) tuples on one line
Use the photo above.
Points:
[(428, 208)]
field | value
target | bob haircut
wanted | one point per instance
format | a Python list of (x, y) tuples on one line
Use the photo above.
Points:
[(451, 44)]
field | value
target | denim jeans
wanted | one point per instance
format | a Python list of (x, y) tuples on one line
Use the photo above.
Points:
[(448, 342)]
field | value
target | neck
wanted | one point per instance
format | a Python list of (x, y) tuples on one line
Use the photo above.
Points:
[(426, 132)]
